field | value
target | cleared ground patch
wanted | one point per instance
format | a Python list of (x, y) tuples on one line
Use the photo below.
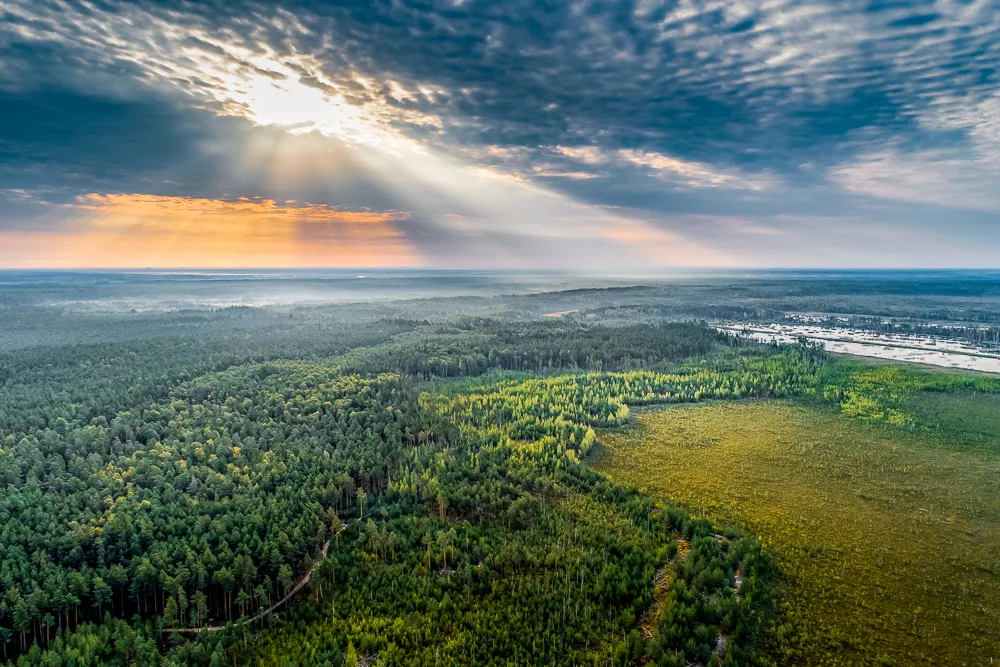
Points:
[(890, 536)]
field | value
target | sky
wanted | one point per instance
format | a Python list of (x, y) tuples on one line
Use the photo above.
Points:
[(591, 136)]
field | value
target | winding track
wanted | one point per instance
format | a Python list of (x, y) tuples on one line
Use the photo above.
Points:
[(243, 621)]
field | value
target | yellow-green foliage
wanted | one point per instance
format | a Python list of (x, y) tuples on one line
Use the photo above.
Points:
[(885, 393), (547, 419), (890, 537)]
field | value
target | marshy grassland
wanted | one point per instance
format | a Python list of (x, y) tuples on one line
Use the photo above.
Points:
[(889, 535)]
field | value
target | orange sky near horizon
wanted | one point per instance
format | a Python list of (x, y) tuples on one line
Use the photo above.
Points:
[(136, 230)]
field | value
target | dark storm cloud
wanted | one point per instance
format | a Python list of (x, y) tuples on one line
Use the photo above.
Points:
[(71, 143)]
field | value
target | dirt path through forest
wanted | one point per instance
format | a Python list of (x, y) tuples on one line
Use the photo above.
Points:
[(295, 589)]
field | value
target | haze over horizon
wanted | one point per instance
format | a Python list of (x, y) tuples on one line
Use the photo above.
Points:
[(599, 137)]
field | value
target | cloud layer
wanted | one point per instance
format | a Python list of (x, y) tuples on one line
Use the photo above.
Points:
[(589, 132)]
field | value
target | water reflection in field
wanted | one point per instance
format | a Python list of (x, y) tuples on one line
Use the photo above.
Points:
[(898, 347)]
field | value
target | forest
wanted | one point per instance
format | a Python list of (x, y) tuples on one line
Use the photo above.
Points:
[(149, 494), (262, 486)]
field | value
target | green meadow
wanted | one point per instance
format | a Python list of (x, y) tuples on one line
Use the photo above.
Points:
[(888, 534)]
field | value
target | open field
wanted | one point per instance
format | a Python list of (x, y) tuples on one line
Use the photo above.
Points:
[(890, 536)]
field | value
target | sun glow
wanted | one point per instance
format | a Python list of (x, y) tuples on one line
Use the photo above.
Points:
[(295, 91), (142, 230), (270, 92)]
